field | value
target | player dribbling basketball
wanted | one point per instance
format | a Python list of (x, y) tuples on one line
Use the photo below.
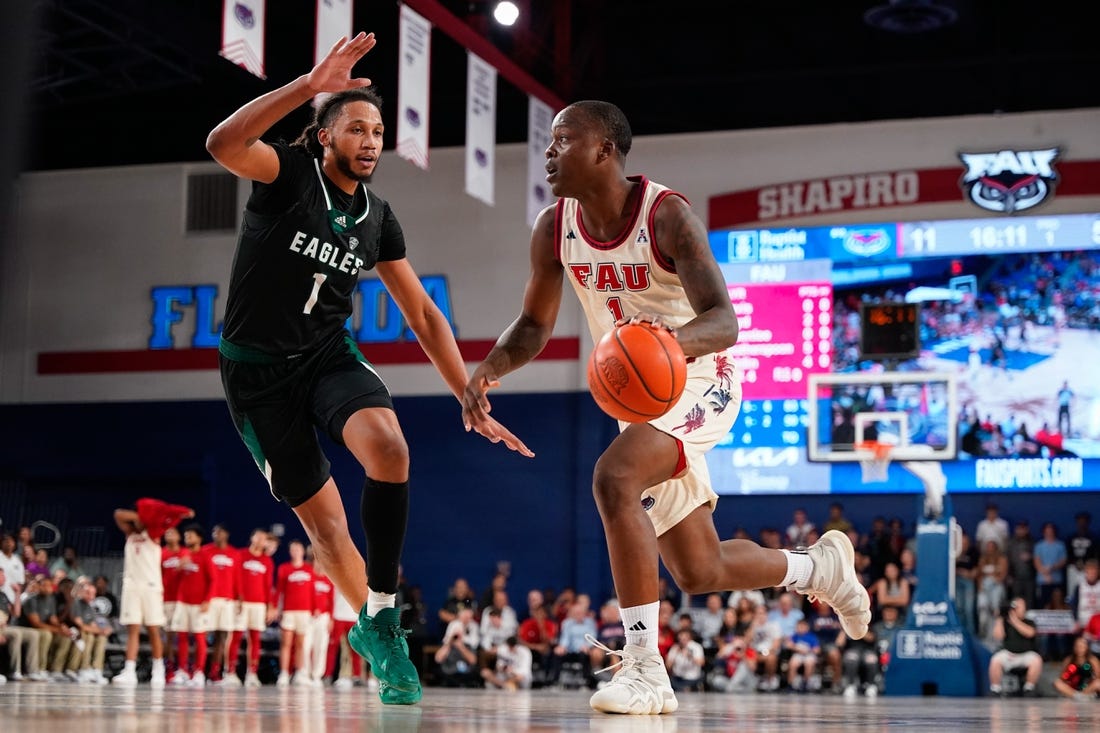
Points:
[(635, 251)]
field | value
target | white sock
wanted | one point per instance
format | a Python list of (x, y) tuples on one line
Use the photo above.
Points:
[(799, 566), (158, 664), (377, 601), (640, 623), (130, 666)]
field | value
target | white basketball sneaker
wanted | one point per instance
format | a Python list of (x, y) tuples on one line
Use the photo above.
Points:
[(640, 687), (834, 580), (125, 678)]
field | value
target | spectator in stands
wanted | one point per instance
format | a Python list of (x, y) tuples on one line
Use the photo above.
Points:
[(754, 597), (1017, 635), (1086, 597), (836, 519), (457, 656), (573, 645), (708, 622), (685, 662), (539, 633), (1050, 563), (1080, 676), (414, 617), (891, 590), (993, 527), (460, 596), (966, 574), (512, 669), (496, 628), (992, 573), (535, 599), (24, 538), (563, 602), (735, 667), (498, 583), (12, 565), (1082, 546), (54, 638), (35, 562), (804, 647), (798, 530), (21, 642), (765, 637), (1021, 562), (826, 626), (68, 563), (611, 635), (785, 615), (907, 566), (106, 603), (93, 635), (294, 591), (860, 661)]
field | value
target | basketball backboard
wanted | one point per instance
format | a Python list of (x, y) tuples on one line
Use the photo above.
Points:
[(915, 412)]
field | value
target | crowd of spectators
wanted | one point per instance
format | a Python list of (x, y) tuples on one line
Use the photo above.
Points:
[(55, 622)]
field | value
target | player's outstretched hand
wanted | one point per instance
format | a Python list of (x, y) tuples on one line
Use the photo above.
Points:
[(333, 72), (475, 414)]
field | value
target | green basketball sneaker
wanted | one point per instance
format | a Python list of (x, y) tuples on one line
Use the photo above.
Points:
[(381, 641), (392, 696)]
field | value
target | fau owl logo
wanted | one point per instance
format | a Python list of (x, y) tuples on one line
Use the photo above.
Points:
[(1009, 181)]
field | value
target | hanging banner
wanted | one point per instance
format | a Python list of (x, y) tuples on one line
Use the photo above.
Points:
[(333, 23), (539, 119), (243, 35), (481, 117), (414, 53)]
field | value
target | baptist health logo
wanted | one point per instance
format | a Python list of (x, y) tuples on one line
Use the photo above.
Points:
[(930, 645), (1009, 181)]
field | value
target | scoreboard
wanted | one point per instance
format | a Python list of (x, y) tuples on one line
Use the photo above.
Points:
[(909, 240), (801, 292)]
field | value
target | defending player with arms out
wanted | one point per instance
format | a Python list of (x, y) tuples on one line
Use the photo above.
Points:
[(142, 601), (288, 364), (634, 251)]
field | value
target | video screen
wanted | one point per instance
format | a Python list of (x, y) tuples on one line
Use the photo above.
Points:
[(1010, 306)]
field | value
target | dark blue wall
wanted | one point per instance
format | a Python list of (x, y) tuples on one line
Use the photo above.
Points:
[(474, 503)]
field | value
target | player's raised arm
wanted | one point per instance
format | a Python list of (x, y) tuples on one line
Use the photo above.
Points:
[(682, 238), (235, 142), (526, 337)]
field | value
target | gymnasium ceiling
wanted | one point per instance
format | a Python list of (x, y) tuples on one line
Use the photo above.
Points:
[(121, 82)]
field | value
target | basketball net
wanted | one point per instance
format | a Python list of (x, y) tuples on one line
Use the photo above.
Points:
[(875, 461)]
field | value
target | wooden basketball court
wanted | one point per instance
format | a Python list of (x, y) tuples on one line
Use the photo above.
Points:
[(40, 708)]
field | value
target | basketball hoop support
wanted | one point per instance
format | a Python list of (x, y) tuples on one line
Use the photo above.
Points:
[(932, 476)]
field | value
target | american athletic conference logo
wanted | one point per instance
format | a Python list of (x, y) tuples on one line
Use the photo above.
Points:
[(1009, 181)]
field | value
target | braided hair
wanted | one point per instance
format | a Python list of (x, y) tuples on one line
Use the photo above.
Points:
[(327, 112)]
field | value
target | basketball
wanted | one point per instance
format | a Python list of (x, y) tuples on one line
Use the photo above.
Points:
[(636, 373)]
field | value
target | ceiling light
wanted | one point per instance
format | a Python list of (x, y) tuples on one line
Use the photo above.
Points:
[(506, 13)]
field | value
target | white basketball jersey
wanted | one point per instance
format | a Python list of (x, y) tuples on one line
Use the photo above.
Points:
[(141, 561), (625, 276)]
